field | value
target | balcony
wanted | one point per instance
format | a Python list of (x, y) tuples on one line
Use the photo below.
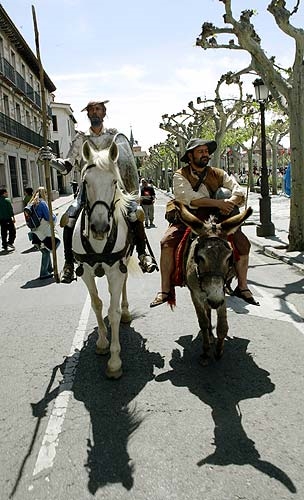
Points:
[(14, 129), (10, 74)]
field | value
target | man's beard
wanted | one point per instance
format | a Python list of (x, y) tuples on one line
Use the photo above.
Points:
[(96, 121), (201, 162)]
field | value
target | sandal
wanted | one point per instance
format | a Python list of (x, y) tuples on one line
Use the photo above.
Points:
[(245, 295), (160, 298)]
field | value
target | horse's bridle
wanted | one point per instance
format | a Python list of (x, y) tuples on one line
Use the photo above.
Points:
[(88, 210)]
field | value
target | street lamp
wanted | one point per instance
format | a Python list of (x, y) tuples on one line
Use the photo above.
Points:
[(266, 227)]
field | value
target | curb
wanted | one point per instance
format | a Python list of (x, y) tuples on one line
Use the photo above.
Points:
[(296, 261)]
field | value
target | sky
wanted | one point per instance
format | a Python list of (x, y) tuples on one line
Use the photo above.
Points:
[(138, 54)]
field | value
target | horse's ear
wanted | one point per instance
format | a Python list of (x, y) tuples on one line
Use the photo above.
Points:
[(232, 224), (114, 152), (86, 150)]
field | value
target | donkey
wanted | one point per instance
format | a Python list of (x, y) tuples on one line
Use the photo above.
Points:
[(208, 265)]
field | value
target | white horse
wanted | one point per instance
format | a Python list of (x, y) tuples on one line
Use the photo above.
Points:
[(102, 245)]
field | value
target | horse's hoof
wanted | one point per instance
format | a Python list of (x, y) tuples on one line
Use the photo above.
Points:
[(114, 374), (101, 351)]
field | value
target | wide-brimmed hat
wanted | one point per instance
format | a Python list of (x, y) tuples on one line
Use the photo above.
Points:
[(93, 103), (194, 143)]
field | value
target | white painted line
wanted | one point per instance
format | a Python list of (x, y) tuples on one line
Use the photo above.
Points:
[(9, 274), (47, 452)]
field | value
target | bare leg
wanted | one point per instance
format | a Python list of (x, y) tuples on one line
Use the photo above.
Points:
[(242, 269), (242, 289), (166, 269)]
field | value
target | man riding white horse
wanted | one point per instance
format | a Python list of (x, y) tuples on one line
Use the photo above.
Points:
[(101, 138)]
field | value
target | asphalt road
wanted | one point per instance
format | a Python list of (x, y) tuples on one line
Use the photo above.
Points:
[(169, 429)]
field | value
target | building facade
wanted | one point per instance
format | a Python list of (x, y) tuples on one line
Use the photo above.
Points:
[(21, 117)]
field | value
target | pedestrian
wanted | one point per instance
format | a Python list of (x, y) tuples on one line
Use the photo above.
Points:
[(28, 194), (7, 221), (147, 199), (102, 138), (195, 185), (41, 236), (74, 185)]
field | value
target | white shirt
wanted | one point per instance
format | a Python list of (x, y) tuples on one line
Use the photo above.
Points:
[(184, 192)]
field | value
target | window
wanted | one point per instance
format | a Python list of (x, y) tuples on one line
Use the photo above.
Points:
[(2, 175), (6, 105), (13, 59), (24, 172), (28, 119), (18, 113), (55, 125), (14, 176)]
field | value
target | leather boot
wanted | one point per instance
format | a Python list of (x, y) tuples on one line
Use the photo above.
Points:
[(74, 210), (67, 275)]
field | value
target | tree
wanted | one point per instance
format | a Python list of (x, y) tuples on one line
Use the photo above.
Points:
[(286, 86)]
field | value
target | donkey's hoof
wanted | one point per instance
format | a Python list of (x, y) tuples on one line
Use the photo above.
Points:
[(126, 318), (114, 374), (218, 355), (101, 351)]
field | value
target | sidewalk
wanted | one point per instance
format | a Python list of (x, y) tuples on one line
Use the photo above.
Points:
[(273, 246)]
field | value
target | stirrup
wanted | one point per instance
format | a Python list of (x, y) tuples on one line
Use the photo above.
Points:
[(147, 263), (67, 275)]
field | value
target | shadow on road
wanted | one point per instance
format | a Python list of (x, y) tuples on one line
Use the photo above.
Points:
[(113, 420), (109, 402), (222, 386)]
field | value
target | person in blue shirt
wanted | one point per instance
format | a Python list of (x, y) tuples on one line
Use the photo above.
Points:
[(41, 236)]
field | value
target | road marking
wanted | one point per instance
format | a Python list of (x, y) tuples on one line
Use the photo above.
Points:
[(47, 452), (9, 274)]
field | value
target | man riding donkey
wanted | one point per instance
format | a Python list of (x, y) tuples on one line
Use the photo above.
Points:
[(101, 138), (196, 185)]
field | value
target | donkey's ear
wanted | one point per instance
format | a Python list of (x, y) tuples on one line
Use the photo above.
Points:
[(232, 224), (188, 218), (114, 152)]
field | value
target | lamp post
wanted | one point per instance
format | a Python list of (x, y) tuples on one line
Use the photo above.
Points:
[(266, 227)]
